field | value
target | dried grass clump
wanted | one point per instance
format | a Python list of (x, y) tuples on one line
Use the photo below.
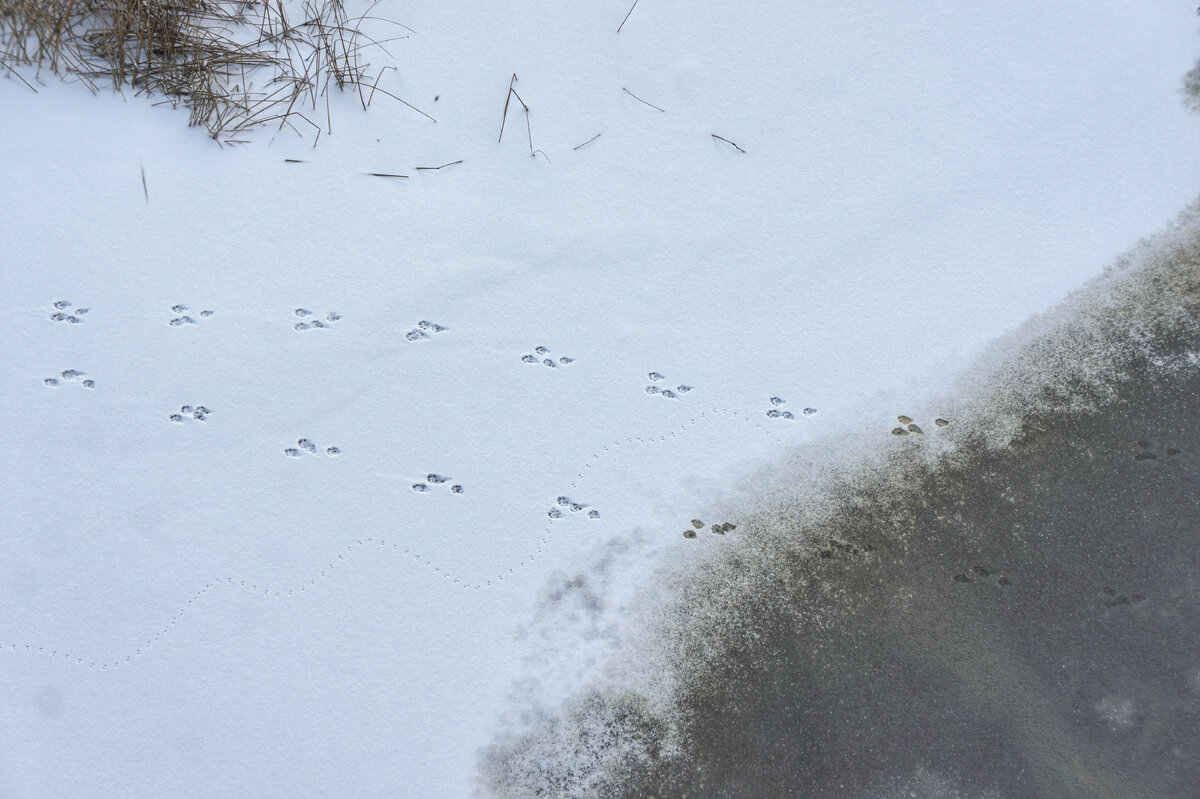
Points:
[(204, 54)]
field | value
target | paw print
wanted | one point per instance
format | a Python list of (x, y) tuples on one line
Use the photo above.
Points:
[(62, 313), (434, 479), (181, 318), (719, 528), (909, 426), (657, 391), (564, 505), (307, 445), (425, 329), (542, 355), (197, 412), (310, 321), (775, 413), (69, 376)]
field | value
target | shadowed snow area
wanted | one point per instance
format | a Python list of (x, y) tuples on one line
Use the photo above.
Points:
[(1003, 606)]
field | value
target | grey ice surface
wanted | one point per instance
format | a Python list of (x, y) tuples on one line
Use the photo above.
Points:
[(1019, 620)]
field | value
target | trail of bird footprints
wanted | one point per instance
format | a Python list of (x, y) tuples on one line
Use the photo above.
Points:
[(425, 329), (181, 318), (62, 313), (656, 391), (564, 505), (433, 479), (306, 445), (311, 322), (197, 412), (69, 376), (542, 355)]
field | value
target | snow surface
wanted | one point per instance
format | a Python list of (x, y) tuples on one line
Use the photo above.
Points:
[(186, 610)]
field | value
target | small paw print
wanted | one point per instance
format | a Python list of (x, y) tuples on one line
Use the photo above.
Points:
[(666, 393), (774, 411), (565, 503), (542, 355), (62, 314), (68, 376), (717, 528), (304, 446), (432, 479), (909, 427), (425, 329), (197, 412), (314, 323), (181, 318)]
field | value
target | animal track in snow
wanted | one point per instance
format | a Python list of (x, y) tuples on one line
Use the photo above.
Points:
[(310, 321), (669, 393), (542, 355), (717, 528), (69, 376), (434, 479), (564, 505), (198, 412), (775, 413), (307, 445), (181, 318), (62, 313), (425, 329), (909, 426)]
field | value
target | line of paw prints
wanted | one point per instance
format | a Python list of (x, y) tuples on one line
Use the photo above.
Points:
[(69, 376), (304, 445), (718, 528), (181, 318), (434, 479), (909, 426), (61, 314), (542, 355), (417, 557), (312, 323), (565, 503), (655, 391), (775, 413), (425, 329), (197, 412)]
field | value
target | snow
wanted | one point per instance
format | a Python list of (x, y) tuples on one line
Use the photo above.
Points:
[(916, 181)]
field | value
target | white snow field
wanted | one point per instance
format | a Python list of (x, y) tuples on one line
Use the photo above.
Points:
[(258, 602)]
